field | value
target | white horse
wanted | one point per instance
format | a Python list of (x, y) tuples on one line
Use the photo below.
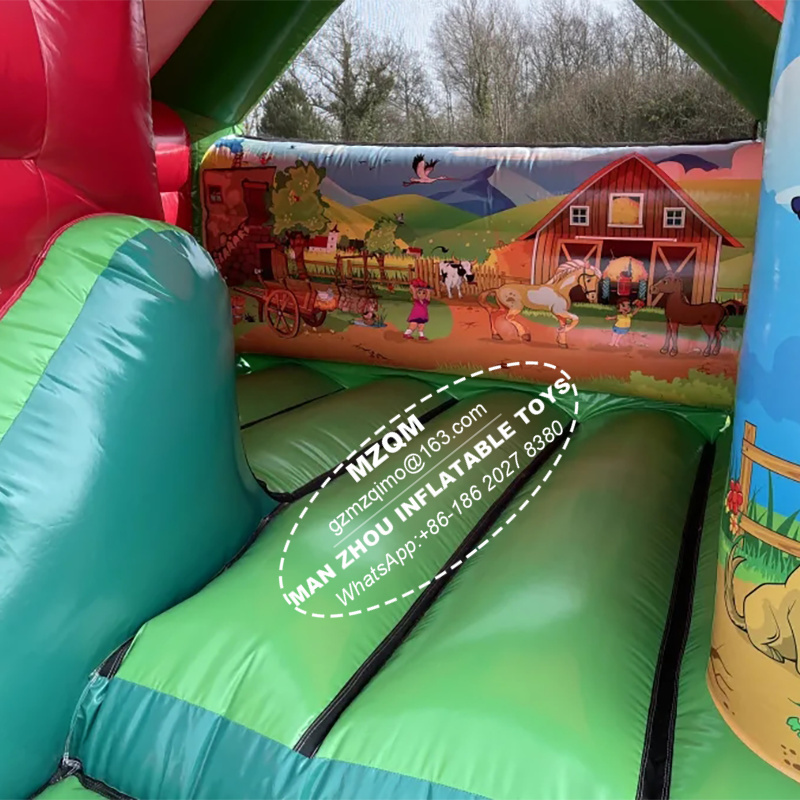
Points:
[(552, 296)]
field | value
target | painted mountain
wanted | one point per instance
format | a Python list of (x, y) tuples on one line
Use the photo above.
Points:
[(491, 191), (332, 190), (518, 188)]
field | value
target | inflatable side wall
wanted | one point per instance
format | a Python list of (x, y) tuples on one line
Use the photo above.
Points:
[(630, 267), (753, 668), (123, 484)]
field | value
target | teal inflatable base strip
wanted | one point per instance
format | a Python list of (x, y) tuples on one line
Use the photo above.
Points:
[(310, 742), (282, 773)]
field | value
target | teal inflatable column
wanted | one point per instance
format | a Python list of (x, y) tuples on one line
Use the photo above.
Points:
[(753, 668)]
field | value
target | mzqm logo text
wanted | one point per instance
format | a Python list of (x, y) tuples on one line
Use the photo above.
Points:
[(420, 494)]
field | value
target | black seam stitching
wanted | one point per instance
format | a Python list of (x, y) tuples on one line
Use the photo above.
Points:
[(655, 770), (290, 408), (311, 740), (316, 483), (99, 787)]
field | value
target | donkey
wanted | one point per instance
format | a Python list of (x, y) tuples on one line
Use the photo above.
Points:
[(680, 311)]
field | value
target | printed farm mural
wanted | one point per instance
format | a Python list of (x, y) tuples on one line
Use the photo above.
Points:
[(628, 268)]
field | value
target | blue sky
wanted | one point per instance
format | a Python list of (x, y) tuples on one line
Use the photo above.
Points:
[(769, 377)]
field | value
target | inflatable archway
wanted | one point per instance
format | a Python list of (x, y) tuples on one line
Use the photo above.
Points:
[(354, 471)]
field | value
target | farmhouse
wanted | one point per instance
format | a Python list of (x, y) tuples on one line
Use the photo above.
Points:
[(237, 227), (326, 243), (632, 208)]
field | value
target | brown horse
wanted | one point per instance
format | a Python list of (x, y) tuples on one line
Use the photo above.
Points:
[(680, 311)]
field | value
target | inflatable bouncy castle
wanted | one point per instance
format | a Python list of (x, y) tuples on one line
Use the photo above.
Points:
[(347, 471)]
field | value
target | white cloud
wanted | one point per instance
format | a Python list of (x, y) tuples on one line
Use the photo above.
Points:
[(526, 153), (782, 153), (784, 197)]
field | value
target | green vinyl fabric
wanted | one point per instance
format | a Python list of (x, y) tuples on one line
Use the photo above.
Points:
[(734, 40), (69, 270), (708, 421), (209, 756), (253, 44), (68, 789), (532, 674), (261, 395), (254, 660), (287, 454), (124, 483)]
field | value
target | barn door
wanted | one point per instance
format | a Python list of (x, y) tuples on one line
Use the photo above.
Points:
[(588, 251), (677, 259)]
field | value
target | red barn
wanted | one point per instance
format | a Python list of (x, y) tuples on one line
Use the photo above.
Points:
[(632, 208)]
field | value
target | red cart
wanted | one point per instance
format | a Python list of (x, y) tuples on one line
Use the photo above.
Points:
[(284, 303)]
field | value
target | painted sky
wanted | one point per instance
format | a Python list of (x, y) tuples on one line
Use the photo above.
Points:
[(769, 377), (523, 174)]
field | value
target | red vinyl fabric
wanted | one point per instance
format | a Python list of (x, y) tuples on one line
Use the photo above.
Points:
[(773, 7), (173, 162), (75, 130)]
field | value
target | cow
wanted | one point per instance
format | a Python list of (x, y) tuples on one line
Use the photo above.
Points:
[(454, 273)]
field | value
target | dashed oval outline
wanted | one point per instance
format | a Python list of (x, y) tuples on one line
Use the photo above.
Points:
[(489, 536)]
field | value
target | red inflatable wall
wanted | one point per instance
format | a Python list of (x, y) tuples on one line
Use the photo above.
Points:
[(173, 161), (75, 131)]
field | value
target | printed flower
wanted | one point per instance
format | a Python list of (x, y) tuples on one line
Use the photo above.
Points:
[(733, 525), (735, 499)]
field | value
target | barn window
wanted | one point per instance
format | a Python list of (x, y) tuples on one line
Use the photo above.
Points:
[(674, 217), (579, 215), (214, 194), (625, 210)]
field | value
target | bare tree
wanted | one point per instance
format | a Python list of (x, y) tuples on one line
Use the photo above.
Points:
[(567, 71), (481, 51), (413, 112), (602, 78)]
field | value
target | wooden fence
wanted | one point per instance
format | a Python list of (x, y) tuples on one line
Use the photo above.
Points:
[(741, 293), (751, 454), (426, 268), (485, 279)]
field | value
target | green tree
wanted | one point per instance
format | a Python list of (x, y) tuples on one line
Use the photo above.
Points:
[(351, 76), (380, 241), (298, 209), (287, 113)]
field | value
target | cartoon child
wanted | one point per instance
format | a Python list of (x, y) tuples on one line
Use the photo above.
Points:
[(622, 320), (369, 316), (418, 318)]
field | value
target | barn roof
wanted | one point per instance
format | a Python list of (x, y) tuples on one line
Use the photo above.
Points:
[(727, 238)]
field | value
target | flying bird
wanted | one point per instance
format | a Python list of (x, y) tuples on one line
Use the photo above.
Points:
[(424, 169)]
